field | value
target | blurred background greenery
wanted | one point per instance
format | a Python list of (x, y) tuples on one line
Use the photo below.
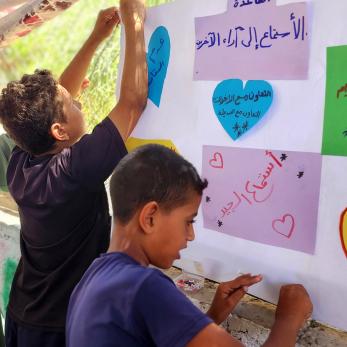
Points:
[(53, 45)]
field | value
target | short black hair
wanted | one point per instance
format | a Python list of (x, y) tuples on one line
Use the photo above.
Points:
[(28, 108), (152, 173)]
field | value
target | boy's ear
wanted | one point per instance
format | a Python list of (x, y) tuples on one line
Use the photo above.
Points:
[(147, 217), (58, 132)]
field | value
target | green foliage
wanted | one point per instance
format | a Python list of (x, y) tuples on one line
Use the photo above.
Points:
[(54, 44)]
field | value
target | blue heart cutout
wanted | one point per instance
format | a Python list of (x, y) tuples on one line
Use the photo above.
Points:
[(239, 109), (158, 57)]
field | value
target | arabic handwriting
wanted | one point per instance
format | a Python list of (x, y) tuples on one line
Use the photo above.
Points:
[(227, 209), (252, 37), (298, 26), (239, 113), (258, 192), (228, 106), (342, 89), (269, 153), (238, 3), (153, 57), (237, 99), (230, 207), (154, 72)]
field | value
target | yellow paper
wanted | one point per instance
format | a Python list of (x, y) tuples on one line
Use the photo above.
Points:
[(133, 143), (343, 230)]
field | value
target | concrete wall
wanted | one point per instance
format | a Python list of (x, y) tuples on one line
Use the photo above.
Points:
[(253, 318)]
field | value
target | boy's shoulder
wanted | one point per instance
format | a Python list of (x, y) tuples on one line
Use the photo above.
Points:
[(26, 172), (26, 161), (117, 291), (118, 278), (86, 164), (118, 270)]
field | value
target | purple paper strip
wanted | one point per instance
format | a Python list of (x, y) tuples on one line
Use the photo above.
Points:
[(254, 39), (264, 196)]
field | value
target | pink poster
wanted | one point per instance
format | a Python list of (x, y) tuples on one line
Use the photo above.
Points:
[(254, 39), (264, 196)]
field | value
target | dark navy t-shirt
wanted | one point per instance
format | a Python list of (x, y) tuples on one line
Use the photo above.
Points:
[(65, 223), (119, 303)]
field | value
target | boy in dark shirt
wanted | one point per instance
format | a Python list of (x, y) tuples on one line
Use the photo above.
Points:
[(56, 175), (121, 302)]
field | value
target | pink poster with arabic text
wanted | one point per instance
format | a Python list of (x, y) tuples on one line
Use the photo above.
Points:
[(254, 39), (265, 196)]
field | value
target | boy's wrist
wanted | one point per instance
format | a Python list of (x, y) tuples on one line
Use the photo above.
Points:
[(290, 326), (282, 331), (216, 316), (211, 314), (94, 40)]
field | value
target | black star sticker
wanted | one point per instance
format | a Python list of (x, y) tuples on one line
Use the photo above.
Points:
[(300, 174), (345, 133), (283, 157), (220, 223), (208, 199)]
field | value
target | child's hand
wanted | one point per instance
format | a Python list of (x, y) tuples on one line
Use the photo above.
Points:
[(294, 306), (107, 20), (228, 294)]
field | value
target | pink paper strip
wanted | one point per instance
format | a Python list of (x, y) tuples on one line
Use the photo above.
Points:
[(254, 39)]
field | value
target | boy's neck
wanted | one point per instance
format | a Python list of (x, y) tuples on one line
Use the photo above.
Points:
[(55, 150), (125, 240)]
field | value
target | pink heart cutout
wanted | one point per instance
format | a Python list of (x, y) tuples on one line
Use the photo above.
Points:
[(217, 161), (284, 226)]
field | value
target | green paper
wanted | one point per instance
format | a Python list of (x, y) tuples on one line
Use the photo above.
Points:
[(10, 267), (335, 118)]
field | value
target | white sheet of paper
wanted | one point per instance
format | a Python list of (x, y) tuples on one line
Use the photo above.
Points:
[(293, 123)]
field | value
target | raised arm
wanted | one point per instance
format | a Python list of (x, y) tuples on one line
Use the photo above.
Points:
[(73, 76), (134, 85)]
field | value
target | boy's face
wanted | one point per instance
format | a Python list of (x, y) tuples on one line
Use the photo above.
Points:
[(75, 124), (173, 231)]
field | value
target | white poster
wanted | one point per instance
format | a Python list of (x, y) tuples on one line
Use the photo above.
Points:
[(189, 113)]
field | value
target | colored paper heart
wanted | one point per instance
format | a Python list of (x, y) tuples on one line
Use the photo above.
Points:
[(284, 226), (217, 161), (239, 109), (343, 230), (158, 57)]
